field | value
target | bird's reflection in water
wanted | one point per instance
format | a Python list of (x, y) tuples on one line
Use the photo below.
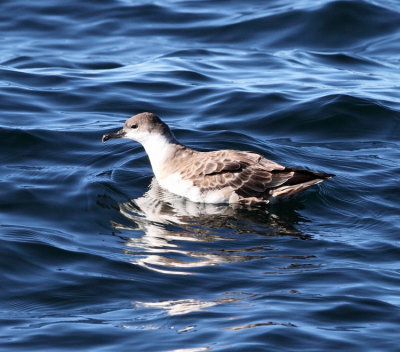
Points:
[(173, 235)]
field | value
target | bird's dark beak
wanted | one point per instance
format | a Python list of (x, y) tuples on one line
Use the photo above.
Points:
[(119, 134)]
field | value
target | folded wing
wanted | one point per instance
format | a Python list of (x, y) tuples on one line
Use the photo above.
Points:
[(249, 175)]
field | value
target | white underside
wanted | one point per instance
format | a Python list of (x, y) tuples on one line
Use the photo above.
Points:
[(160, 149), (174, 183)]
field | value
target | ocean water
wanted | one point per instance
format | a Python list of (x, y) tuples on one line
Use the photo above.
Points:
[(94, 256)]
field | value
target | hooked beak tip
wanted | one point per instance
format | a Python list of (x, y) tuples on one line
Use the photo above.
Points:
[(119, 134)]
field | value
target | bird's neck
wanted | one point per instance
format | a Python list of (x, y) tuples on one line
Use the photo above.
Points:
[(160, 150)]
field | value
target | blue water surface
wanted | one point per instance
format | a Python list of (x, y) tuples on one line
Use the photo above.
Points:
[(96, 257)]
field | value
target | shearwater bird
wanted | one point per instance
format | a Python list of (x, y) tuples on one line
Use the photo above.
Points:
[(220, 176)]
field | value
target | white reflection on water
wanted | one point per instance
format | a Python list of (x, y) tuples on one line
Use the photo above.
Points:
[(184, 306), (170, 234), (194, 349)]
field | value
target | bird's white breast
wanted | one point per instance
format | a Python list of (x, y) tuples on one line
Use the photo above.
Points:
[(185, 188)]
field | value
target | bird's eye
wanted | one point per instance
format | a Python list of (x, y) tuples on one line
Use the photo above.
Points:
[(134, 126)]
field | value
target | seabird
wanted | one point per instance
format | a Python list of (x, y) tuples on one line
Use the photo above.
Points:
[(220, 176)]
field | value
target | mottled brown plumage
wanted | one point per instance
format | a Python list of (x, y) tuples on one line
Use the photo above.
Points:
[(252, 177)]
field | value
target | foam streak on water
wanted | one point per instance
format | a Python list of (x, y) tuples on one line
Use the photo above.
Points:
[(96, 257)]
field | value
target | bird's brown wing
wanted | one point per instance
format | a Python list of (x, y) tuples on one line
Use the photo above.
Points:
[(248, 174)]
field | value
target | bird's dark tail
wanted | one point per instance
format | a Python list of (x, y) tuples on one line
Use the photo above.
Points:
[(301, 180)]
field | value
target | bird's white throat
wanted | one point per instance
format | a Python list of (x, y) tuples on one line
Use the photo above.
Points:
[(159, 149)]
